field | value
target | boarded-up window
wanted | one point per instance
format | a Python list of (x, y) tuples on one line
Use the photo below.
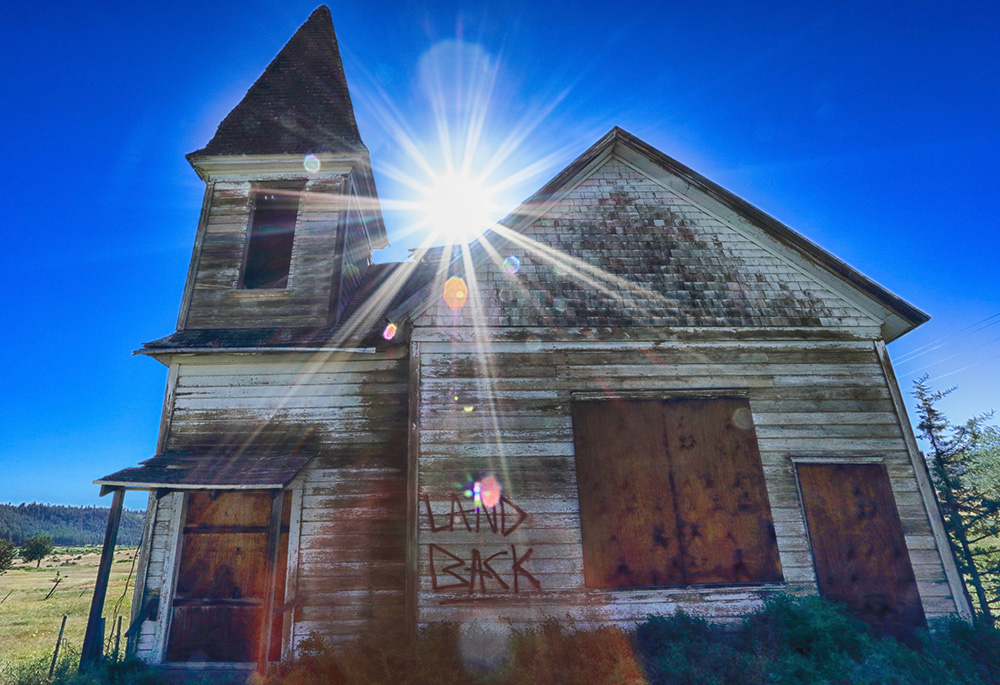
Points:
[(858, 545), (272, 232), (222, 583), (672, 493)]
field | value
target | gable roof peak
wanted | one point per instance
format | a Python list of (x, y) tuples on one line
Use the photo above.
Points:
[(300, 104), (896, 315)]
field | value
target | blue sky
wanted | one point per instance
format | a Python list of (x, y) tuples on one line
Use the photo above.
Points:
[(871, 128)]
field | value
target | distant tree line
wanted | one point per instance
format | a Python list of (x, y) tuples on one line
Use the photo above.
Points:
[(67, 526)]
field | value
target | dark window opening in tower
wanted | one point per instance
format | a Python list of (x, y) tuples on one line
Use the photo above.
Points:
[(268, 257)]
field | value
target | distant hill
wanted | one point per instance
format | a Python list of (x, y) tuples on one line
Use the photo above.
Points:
[(67, 526)]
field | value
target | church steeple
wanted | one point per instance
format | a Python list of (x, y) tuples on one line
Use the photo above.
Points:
[(291, 215), (299, 105)]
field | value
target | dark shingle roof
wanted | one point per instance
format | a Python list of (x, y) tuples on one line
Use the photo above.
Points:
[(208, 469), (300, 104)]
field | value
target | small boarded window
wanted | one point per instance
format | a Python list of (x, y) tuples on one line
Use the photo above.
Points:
[(268, 258), (858, 545), (672, 493)]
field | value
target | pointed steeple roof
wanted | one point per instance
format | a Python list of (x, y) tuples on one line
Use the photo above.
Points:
[(300, 104)]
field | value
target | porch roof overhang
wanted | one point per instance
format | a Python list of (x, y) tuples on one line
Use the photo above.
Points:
[(208, 470)]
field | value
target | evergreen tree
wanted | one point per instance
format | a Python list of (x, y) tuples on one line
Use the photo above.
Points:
[(37, 548), (8, 552), (970, 501)]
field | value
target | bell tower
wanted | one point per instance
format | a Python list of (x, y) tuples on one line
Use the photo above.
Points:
[(291, 214)]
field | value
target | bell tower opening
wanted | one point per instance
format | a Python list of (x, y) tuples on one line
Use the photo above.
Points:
[(268, 258)]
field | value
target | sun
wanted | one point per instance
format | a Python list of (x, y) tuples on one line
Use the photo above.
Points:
[(457, 208)]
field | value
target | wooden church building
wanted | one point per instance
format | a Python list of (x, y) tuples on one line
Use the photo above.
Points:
[(637, 394)]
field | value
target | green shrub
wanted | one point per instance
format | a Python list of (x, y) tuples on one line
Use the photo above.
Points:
[(805, 639), (810, 640), (8, 552), (684, 649), (37, 548), (971, 651), (36, 672)]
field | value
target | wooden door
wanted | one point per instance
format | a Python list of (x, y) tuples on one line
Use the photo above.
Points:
[(858, 546), (221, 594)]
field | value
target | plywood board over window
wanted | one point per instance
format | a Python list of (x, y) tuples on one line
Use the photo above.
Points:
[(672, 493), (858, 545)]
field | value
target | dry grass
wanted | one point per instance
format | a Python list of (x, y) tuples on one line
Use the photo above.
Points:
[(29, 623)]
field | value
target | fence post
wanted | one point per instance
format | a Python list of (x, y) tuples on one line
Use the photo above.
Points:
[(55, 654)]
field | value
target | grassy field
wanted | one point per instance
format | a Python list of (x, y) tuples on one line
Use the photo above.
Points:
[(29, 623)]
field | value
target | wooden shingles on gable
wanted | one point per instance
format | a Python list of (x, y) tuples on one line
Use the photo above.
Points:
[(625, 236), (657, 259)]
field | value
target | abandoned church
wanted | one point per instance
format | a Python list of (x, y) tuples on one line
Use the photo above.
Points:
[(637, 393)]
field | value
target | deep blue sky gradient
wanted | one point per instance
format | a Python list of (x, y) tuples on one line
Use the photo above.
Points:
[(871, 128)]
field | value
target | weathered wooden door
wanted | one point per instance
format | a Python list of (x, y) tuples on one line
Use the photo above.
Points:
[(221, 594), (858, 546)]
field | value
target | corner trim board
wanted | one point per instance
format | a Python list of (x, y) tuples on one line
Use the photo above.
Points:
[(206, 208), (412, 578), (292, 572), (955, 584), (171, 567), (145, 548)]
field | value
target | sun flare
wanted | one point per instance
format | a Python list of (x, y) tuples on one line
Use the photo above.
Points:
[(458, 208)]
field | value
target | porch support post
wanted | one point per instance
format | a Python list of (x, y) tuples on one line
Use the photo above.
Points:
[(93, 640), (273, 543)]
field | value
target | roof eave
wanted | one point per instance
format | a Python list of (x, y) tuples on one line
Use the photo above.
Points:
[(263, 167)]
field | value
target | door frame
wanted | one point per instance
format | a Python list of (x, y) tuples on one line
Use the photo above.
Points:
[(173, 562)]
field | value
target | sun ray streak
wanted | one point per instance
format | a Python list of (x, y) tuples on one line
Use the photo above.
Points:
[(484, 358), (603, 281), (513, 141)]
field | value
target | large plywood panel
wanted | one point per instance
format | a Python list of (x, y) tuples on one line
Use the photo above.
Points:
[(629, 527), (724, 517)]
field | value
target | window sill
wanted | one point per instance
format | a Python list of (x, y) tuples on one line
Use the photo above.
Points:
[(262, 292)]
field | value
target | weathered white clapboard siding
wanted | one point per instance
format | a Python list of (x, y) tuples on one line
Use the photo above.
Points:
[(346, 558), (808, 398), (352, 542), (212, 299), (166, 514)]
